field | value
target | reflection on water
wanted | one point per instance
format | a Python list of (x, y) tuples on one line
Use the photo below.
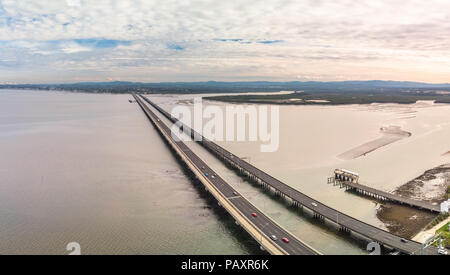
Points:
[(91, 169)]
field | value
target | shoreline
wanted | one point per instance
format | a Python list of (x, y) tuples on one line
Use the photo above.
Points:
[(425, 234), (432, 186), (329, 99)]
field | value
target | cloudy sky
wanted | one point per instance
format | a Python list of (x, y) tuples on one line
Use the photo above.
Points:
[(53, 41)]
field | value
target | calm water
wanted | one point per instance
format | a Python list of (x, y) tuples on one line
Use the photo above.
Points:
[(91, 169), (311, 138)]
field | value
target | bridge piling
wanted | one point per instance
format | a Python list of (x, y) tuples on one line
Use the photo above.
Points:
[(221, 192), (361, 229), (382, 195)]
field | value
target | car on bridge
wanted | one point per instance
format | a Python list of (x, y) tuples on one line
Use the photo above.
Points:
[(286, 240), (273, 237), (442, 251), (255, 215)]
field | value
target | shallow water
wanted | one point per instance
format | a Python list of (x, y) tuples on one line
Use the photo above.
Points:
[(91, 169), (312, 138)]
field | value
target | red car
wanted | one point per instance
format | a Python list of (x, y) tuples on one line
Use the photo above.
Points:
[(286, 240), (254, 215)]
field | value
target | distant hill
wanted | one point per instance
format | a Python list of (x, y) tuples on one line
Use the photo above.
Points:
[(373, 86)]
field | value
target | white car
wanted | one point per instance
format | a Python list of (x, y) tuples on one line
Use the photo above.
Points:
[(442, 251), (273, 237), (314, 204)]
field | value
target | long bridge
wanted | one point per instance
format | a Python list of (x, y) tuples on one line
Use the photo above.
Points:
[(382, 195), (261, 227), (298, 199)]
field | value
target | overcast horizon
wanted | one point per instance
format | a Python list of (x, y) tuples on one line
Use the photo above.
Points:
[(242, 81), (70, 41)]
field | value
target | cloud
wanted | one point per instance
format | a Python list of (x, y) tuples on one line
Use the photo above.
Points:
[(71, 47), (225, 40), (74, 3)]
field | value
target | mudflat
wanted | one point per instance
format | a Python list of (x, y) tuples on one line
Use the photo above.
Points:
[(390, 135), (431, 186)]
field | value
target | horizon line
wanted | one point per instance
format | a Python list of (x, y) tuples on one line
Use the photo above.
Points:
[(216, 81)]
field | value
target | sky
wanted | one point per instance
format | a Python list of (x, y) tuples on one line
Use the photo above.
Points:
[(63, 41)]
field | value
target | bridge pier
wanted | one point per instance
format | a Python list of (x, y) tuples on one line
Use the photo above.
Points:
[(229, 158), (318, 216), (381, 195), (254, 230), (344, 229)]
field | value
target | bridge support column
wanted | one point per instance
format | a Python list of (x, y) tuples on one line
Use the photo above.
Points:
[(343, 229), (318, 216)]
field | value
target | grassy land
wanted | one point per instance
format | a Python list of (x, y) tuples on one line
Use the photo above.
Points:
[(445, 233), (333, 98), (437, 220)]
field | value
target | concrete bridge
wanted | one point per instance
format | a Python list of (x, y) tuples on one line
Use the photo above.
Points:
[(298, 199), (253, 220)]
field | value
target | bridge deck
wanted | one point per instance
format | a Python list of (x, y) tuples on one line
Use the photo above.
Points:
[(391, 197), (261, 227), (369, 231)]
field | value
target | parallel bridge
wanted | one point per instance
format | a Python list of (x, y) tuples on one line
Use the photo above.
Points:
[(261, 228), (301, 200)]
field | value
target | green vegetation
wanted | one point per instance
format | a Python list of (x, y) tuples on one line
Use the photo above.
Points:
[(334, 98), (437, 220), (339, 92), (445, 234)]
